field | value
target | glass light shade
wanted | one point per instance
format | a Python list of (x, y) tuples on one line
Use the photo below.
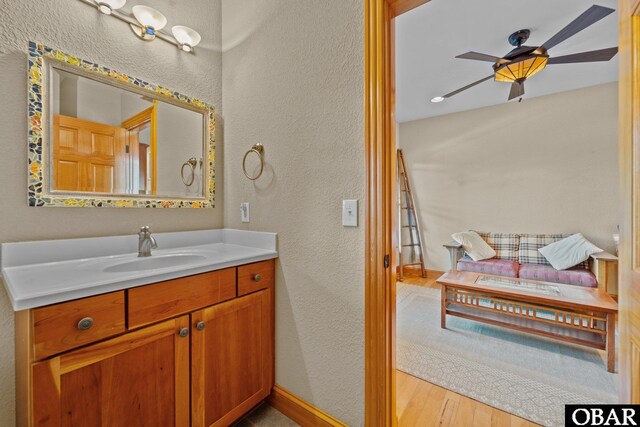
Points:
[(107, 6), (521, 70), (149, 17), (186, 37)]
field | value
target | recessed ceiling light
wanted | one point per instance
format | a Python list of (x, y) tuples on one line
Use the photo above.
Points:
[(437, 99)]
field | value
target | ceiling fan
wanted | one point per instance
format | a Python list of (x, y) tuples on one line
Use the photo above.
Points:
[(524, 61)]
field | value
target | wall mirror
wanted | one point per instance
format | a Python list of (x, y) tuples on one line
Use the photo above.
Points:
[(100, 138)]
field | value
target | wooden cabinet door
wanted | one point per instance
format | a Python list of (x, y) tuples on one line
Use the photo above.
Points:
[(232, 358), (137, 379)]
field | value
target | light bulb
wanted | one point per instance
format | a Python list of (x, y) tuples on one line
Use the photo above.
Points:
[(107, 6), (437, 99), (186, 37), (150, 20)]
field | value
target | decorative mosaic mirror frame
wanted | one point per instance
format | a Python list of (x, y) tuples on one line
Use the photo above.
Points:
[(38, 161)]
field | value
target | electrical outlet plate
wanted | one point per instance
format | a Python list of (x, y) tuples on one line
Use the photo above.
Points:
[(350, 213), (244, 212)]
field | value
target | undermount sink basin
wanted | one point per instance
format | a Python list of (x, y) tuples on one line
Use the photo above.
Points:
[(153, 262)]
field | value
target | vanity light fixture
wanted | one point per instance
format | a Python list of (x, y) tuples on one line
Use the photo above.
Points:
[(187, 37), (147, 23), (108, 6), (150, 21)]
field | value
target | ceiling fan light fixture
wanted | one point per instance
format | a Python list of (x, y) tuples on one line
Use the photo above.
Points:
[(521, 69), (437, 99)]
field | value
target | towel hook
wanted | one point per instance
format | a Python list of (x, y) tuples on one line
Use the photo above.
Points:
[(259, 150)]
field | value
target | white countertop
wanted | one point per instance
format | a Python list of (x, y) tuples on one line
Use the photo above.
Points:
[(48, 272)]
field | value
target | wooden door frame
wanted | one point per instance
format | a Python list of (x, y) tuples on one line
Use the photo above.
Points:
[(149, 115), (629, 139), (380, 202), (380, 215)]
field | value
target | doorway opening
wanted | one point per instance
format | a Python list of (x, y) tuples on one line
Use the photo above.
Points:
[(380, 131), (141, 145), (506, 150)]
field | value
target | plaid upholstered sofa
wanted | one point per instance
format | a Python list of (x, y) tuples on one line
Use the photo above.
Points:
[(517, 256)]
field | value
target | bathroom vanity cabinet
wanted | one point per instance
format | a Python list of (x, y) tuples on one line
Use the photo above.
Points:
[(197, 350)]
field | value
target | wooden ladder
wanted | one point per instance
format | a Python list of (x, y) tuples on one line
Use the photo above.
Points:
[(408, 221)]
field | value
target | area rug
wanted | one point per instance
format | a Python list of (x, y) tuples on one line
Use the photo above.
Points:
[(529, 376)]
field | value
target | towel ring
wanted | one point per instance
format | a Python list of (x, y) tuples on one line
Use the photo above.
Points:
[(259, 150), (192, 162)]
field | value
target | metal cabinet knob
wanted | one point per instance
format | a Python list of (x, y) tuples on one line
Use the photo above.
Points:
[(200, 325), (85, 323), (257, 277), (184, 332)]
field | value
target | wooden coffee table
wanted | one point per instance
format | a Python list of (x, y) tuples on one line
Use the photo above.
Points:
[(574, 314)]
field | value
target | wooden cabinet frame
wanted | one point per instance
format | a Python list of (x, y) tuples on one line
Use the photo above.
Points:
[(198, 328)]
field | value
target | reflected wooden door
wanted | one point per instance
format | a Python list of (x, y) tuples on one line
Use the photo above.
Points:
[(67, 160), (101, 177), (85, 155), (138, 379), (629, 280), (232, 358), (100, 145)]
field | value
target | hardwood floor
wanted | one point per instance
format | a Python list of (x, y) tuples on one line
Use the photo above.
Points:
[(412, 277), (420, 403)]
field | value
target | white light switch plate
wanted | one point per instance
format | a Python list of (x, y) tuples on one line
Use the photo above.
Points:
[(350, 213), (244, 212)]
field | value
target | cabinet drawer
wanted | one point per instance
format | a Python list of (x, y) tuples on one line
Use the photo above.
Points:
[(253, 277), (58, 328), (153, 303)]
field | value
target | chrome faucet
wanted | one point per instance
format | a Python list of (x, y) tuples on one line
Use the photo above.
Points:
[(146, 242)]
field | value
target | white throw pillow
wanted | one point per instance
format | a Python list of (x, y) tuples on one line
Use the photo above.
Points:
[(569, 251), (474, 245)]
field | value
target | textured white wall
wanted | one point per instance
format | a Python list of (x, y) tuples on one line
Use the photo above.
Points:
[(293, 81), (179, 138), (98, 102), (546, 165), (73, 27)]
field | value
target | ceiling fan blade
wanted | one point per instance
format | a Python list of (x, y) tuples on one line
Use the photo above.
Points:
[(478, 56), (455, 92), (517, 90), (591, 56), (590, 17)]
